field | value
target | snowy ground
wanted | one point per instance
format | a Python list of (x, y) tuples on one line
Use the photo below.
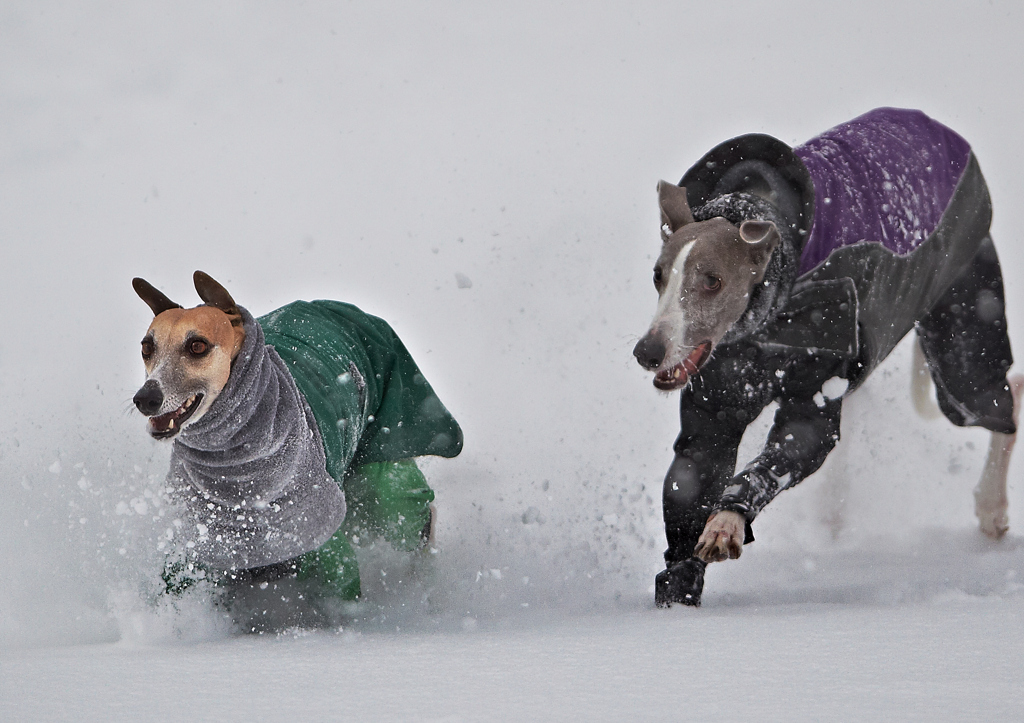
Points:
[(385, 155)]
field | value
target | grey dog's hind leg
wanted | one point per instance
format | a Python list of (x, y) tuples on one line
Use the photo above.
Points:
[(990, 500), (965, 342), (967, 348)]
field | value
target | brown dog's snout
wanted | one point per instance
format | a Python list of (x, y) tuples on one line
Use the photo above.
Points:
[(650, 351), (149, 398)]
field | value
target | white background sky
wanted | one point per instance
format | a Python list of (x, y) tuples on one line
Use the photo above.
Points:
[(370, 152)]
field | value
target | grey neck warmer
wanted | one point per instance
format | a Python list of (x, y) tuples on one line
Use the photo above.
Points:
[(251, 471), (769, 297)]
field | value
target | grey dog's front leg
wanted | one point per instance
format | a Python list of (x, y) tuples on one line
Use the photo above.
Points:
[(693, 484), (805, 431), (803, 434), (704, 463)]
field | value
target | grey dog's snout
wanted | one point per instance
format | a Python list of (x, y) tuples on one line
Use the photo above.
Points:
[(650, 352), (149, 398)]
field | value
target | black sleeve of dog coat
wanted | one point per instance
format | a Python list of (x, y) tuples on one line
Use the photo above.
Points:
[(714, 412), (710, 441), (704, 463), (803, 434)]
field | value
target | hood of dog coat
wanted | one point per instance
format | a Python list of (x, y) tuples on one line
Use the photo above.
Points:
[(252, 470), (770, 296), (757, 177)]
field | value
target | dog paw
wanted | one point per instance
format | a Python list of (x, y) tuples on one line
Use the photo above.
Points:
[(722, 538), (681, 584), (991, 515)]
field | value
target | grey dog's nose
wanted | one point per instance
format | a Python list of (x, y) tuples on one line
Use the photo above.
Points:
[(649, 351), (149, 398)]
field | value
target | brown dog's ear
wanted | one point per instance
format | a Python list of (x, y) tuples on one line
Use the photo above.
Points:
[(154, 298), (675, 209), (214, 294), (763, 237)]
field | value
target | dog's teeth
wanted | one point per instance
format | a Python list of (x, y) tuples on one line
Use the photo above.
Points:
[(170, 423)]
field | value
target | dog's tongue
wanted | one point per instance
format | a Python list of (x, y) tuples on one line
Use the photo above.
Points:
[(167, 422), (162, 423), (692, 362), (677, 376)]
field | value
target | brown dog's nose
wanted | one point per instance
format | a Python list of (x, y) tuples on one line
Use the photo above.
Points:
[(149, 398), (649, 352)]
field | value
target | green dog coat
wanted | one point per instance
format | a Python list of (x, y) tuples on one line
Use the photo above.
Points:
[(310, 446)]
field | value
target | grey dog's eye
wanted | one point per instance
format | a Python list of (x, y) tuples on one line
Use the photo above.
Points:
[(712, 283), (657, 274)]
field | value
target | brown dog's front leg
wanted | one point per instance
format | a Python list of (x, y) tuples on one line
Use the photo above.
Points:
[(722, 538)]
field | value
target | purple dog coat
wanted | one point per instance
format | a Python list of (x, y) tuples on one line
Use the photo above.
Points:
[(886, 176)]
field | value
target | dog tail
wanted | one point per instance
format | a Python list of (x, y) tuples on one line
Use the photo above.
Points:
[(921, 385)]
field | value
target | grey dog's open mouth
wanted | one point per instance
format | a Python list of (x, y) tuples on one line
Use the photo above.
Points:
[(167, 425), (677, 376)]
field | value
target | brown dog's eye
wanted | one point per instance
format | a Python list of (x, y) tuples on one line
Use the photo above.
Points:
[(147, 349), (198, 347), (712, 283)]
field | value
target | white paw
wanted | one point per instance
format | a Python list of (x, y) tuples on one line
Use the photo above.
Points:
[(722, 538), (991, 515)]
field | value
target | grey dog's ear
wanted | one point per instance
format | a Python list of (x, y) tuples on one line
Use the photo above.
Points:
[(154, 298), (214, 294), (763, 237), (675, 209)]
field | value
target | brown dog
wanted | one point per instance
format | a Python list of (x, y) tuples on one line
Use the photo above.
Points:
[(281, 425)]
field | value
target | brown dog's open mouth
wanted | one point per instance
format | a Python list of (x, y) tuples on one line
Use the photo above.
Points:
[(167, 425), (677, 376)]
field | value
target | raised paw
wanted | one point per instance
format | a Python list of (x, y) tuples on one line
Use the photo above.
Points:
[(722, 538)]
